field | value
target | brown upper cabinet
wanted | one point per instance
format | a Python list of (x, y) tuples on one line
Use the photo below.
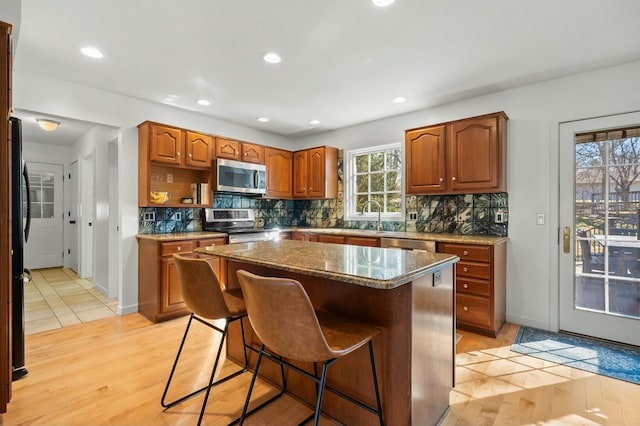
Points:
[(464, 156), (315, 173), (199, 149), (279, 177), (171, 160), (229, 149), (252, 153)]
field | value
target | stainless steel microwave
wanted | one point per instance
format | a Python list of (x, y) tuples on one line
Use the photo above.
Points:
[(237, 176)]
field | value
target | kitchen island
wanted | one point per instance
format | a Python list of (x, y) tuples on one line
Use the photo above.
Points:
[(409, 295)]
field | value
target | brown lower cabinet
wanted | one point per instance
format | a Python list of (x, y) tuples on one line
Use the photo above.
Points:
[(337, 239), (159, 296), (481, 285)]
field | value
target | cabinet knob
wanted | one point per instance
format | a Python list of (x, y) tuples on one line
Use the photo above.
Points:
[(179, 248), (190, 155), (465, 285), (465, 309), (466, 253), (178, 154), (465, 269), (453, 178), (441, 179)]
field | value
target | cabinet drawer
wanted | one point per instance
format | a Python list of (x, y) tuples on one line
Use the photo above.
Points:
[(467, 251), (473, 286), (167, 249), (474, 269), (473, 310), (211, 242)]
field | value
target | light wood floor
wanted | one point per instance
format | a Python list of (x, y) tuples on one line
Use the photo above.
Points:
[(112, 372)]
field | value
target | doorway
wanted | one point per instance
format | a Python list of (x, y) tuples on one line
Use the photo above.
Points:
[(599, 280), (44, 248)]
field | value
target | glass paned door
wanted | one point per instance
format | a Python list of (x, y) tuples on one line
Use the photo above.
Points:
[(599, 212)]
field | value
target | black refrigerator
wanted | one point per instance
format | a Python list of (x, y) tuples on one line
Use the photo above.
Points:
[(20, 221)]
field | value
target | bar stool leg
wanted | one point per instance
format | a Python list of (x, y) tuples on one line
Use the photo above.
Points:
[(173, 370), (323, 381), (253, 381), (375, 382)]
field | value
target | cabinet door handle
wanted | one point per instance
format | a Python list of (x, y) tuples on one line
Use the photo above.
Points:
[(465, 269), (465, 309), (453, 178), (466, 253), (465, 285), (441, 179), (190, 155), (179, 248)]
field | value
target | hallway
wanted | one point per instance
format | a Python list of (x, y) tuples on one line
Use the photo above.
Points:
[(57, 298)]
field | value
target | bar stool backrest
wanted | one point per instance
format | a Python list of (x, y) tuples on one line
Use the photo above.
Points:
[(200, 288), (282, 316)]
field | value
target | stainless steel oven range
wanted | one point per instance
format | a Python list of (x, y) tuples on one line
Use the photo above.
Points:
[(238, 224)]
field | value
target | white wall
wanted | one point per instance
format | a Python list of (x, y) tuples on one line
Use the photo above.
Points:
[(535, 112), (96, 141)]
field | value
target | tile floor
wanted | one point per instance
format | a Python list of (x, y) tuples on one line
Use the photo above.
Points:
[(57, 297)]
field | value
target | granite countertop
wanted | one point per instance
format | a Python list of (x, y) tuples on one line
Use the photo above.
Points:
[(178, 236), (438, 237), (367, 266)]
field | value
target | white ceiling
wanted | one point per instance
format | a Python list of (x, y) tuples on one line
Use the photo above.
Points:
[(343, 60)]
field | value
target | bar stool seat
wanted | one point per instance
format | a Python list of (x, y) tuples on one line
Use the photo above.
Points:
[(284, 319)]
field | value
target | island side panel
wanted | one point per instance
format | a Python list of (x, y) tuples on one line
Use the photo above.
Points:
[(433, 349), (389, 309)]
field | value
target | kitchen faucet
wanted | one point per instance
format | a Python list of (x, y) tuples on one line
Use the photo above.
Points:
[(374, 202)]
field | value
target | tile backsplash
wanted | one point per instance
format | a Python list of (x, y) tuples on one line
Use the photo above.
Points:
[(472, 214)]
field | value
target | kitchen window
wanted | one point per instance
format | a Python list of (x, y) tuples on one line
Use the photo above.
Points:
[(374, 174)]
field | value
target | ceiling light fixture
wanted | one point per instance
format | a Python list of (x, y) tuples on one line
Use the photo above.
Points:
[(314, 122), (382, 3), (47, 124), (272, 58), (92, 52), (262, 119), (203, 102), (399, 99)]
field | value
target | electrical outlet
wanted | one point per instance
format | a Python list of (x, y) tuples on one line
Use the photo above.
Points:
[(499, 216), (413, 215), (149, 216), (169, 177), (177, 216)]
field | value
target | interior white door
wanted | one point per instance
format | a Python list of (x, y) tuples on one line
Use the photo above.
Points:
[(599, 280), (44, 247), (86, 215)]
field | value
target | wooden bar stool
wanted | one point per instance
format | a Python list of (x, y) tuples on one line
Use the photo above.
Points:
[(206, 301), (282, 316)]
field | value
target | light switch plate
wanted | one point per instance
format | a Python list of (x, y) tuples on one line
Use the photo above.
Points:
[(539, 218), (169, 177)]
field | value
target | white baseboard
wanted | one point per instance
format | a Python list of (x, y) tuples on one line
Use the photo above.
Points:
[(529, 322), (120, 310)]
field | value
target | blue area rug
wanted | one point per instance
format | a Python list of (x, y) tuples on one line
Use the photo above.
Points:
[(609, 359)]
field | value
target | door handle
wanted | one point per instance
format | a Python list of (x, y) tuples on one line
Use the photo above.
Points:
[(72, 221), (566, 239)]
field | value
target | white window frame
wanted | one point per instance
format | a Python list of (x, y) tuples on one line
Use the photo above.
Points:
[(351, 211)]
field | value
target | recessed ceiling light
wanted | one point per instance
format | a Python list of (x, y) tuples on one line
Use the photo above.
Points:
[(92, 52), (314, 122), (262, 119), (382, 3), (272, 58), (399, 99), (203, 102)]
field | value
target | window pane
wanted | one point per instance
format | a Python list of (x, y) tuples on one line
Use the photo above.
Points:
[(590, 154), (377, 182), (379, 198), (393, 160), (47, 211), (377, 162), (362, 183), (393, 181), (360, 200), (394, 203), (625, 151), (362, 163)]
